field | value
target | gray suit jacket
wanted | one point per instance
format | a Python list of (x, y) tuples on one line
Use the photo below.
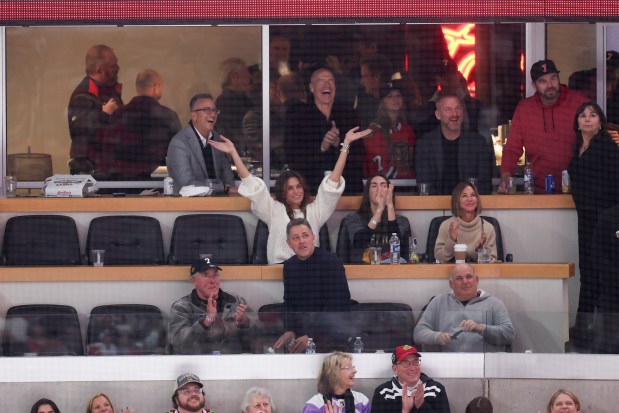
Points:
[(475, 160), (186, 163)]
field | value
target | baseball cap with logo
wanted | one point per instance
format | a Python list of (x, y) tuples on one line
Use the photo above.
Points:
[(393, 85), (401, 352), (541, 68), (203, 265), (187, 378)]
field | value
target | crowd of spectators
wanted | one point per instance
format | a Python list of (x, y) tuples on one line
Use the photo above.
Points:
[(409, 390), (321, 142)]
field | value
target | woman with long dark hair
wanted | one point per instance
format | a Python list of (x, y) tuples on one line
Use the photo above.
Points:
[(291, 196), (44, 406), (374, 221), (594, 179)]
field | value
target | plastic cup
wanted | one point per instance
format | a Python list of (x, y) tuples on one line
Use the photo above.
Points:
[(97, 257), (511, 186), (375, 255), (424, 188), (483, 256), (10, 186)]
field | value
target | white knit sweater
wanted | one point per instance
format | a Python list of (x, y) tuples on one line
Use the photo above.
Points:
[(273, 213)]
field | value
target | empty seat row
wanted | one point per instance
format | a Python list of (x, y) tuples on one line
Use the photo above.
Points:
[(54, 330), (127, 240), (140, 329)]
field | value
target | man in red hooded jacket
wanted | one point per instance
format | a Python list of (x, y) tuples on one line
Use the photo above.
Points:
[(543, 126)]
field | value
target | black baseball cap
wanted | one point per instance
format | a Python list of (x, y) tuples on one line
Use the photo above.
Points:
[(393, 85), (541, 68), (203, 265)]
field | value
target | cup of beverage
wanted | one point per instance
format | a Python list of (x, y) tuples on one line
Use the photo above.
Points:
[(511, 185), (460, 253), (375, 255), (10, 186), (483, 256), (424, 188), (97, 257), (472, 181)]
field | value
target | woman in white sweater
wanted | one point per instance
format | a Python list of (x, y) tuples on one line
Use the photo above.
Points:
[(465, 227), (291, 196)]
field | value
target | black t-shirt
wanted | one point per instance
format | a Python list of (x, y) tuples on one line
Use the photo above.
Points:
[(450, 165)]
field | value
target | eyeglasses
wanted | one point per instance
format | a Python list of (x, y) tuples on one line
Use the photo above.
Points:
[(348, 368), (189, 392), (408, 363), (208, 111)]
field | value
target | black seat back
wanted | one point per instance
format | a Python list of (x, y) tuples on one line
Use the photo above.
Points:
[(127, 240), (126, 329), (41, 240), (221, 235), (500, 252), (261, 236), (383, 326), (42, 330), (435, 224)]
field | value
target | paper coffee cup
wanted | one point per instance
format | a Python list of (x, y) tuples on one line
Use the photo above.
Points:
[(460, 253)]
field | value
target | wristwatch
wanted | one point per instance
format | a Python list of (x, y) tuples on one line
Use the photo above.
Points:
[(373, 221)]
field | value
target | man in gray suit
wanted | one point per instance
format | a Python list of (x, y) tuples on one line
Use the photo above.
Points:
[(191, 161)]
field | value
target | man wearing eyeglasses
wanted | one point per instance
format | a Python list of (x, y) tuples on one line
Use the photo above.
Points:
[(188, 395), (209, 320), (421, 394), (467, 319), (191, 161)]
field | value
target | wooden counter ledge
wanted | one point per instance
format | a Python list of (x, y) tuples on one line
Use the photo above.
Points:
[(274, 272), (23, 205)]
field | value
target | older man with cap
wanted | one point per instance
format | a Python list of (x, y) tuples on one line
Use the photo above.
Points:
[(188, 395), (542, 126), (465, 319), (209, 320), (423, 394)]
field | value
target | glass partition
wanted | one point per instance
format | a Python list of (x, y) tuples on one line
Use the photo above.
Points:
[(44, 65), (482, 63), (380, 327)]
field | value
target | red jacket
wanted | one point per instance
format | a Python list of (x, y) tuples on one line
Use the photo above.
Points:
[(377, 148), (546, 133)]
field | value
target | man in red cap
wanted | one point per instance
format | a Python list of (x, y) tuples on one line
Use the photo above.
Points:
[(423, 394)]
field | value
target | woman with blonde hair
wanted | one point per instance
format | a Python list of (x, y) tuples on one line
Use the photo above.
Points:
[(101, 403), (335, 380), (465, 227), (564, 401)]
